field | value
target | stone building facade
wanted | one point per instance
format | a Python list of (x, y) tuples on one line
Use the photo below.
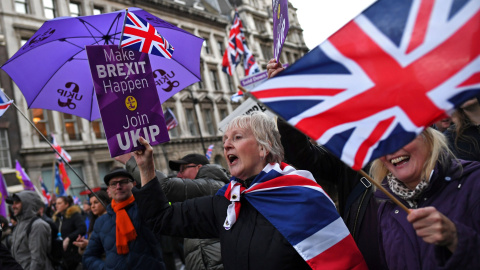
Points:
[(198, 108)]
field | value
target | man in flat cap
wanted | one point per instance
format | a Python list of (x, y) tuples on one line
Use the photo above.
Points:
[(121, 234)]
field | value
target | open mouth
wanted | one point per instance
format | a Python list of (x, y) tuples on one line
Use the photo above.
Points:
[(399, 160), (232, 158)]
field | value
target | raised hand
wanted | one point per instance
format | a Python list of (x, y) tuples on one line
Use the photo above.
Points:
[(144, 159), (273, 68)]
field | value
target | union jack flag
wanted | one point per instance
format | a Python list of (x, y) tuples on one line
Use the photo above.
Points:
[(373, 86), (45, 194), (139, 35), (234, 49), (170, 119), (4, 103)]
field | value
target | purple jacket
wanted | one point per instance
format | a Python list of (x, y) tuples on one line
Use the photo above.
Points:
[(456, 194)]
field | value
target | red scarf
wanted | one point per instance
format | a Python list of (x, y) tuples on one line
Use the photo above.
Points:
[(125, 232)]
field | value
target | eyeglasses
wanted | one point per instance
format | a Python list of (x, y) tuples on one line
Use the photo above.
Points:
[(122, 182), (182, 169)]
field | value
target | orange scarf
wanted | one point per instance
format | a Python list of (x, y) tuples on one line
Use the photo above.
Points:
[(125, 232)]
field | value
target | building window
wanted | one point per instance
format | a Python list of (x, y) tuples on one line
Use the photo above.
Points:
[(98, 129), (40, 119), (207, 113), (75, 9), (21, 6), (214, 78), (49, 9), (220, 47), (267, 51), (71, 126), (206, 46), (223, 113), (191, 124), (97, 10), (103, 169), (260, 25), (231, 87), (5, 160)]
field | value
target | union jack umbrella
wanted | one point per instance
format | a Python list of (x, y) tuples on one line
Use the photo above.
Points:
[(373, 86)]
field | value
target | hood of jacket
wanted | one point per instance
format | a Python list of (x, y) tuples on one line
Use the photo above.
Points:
[(213, 171), (69, 212), (30, 204)]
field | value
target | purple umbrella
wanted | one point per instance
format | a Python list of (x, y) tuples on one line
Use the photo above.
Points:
[(52, 69)]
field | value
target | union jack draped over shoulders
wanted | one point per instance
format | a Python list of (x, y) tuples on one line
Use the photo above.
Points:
[(317, 232), (373, 86), (141, 36)]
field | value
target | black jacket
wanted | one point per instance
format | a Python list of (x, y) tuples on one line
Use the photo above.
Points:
[(356, 203), (252, 243), (71, 225)]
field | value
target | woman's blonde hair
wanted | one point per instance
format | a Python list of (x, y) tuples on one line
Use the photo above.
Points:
[(265, 132), (437, 146)]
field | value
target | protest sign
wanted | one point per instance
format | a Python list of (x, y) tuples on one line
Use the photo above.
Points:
[(280, 26), (127, 98), (247, 107)]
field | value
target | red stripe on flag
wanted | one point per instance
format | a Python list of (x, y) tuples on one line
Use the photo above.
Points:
[(421, 24), (335, 258), (299, 91), (474, 79), (131, 42), (284, 181), (4, 106), (374, 137)]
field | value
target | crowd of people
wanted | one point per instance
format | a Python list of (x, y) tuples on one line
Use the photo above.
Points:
[(282, 203)]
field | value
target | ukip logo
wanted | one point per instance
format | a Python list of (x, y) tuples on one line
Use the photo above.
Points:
[(70, 95), (163, 79), (131, 103), (39, 38)]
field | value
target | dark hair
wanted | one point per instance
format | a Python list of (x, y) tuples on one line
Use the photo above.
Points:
[(103, 196), (462, 124), (67, 199)]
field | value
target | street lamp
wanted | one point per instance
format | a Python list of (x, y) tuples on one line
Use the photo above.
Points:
[(195, 101)]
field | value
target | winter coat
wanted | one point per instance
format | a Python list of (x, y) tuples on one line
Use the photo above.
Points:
[(144, 251), (7, 262), (70, 224), (31, 251), (253, 243), (454, 191), (199, 253), (356, 202)]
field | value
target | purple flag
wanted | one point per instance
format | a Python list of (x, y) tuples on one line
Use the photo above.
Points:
[(127, 98), (23, 177), (3, 195), (280, 26)]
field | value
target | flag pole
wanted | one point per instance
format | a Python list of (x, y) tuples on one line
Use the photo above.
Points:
[(51, 145), (123, 28), (362, 172)]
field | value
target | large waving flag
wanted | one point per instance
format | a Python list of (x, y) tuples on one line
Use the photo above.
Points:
[(4, 103), (3, 196), (139, 35), (60, 150), (234, 49), (23, 177), (60, 189), (317, 232), (373, 86)]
